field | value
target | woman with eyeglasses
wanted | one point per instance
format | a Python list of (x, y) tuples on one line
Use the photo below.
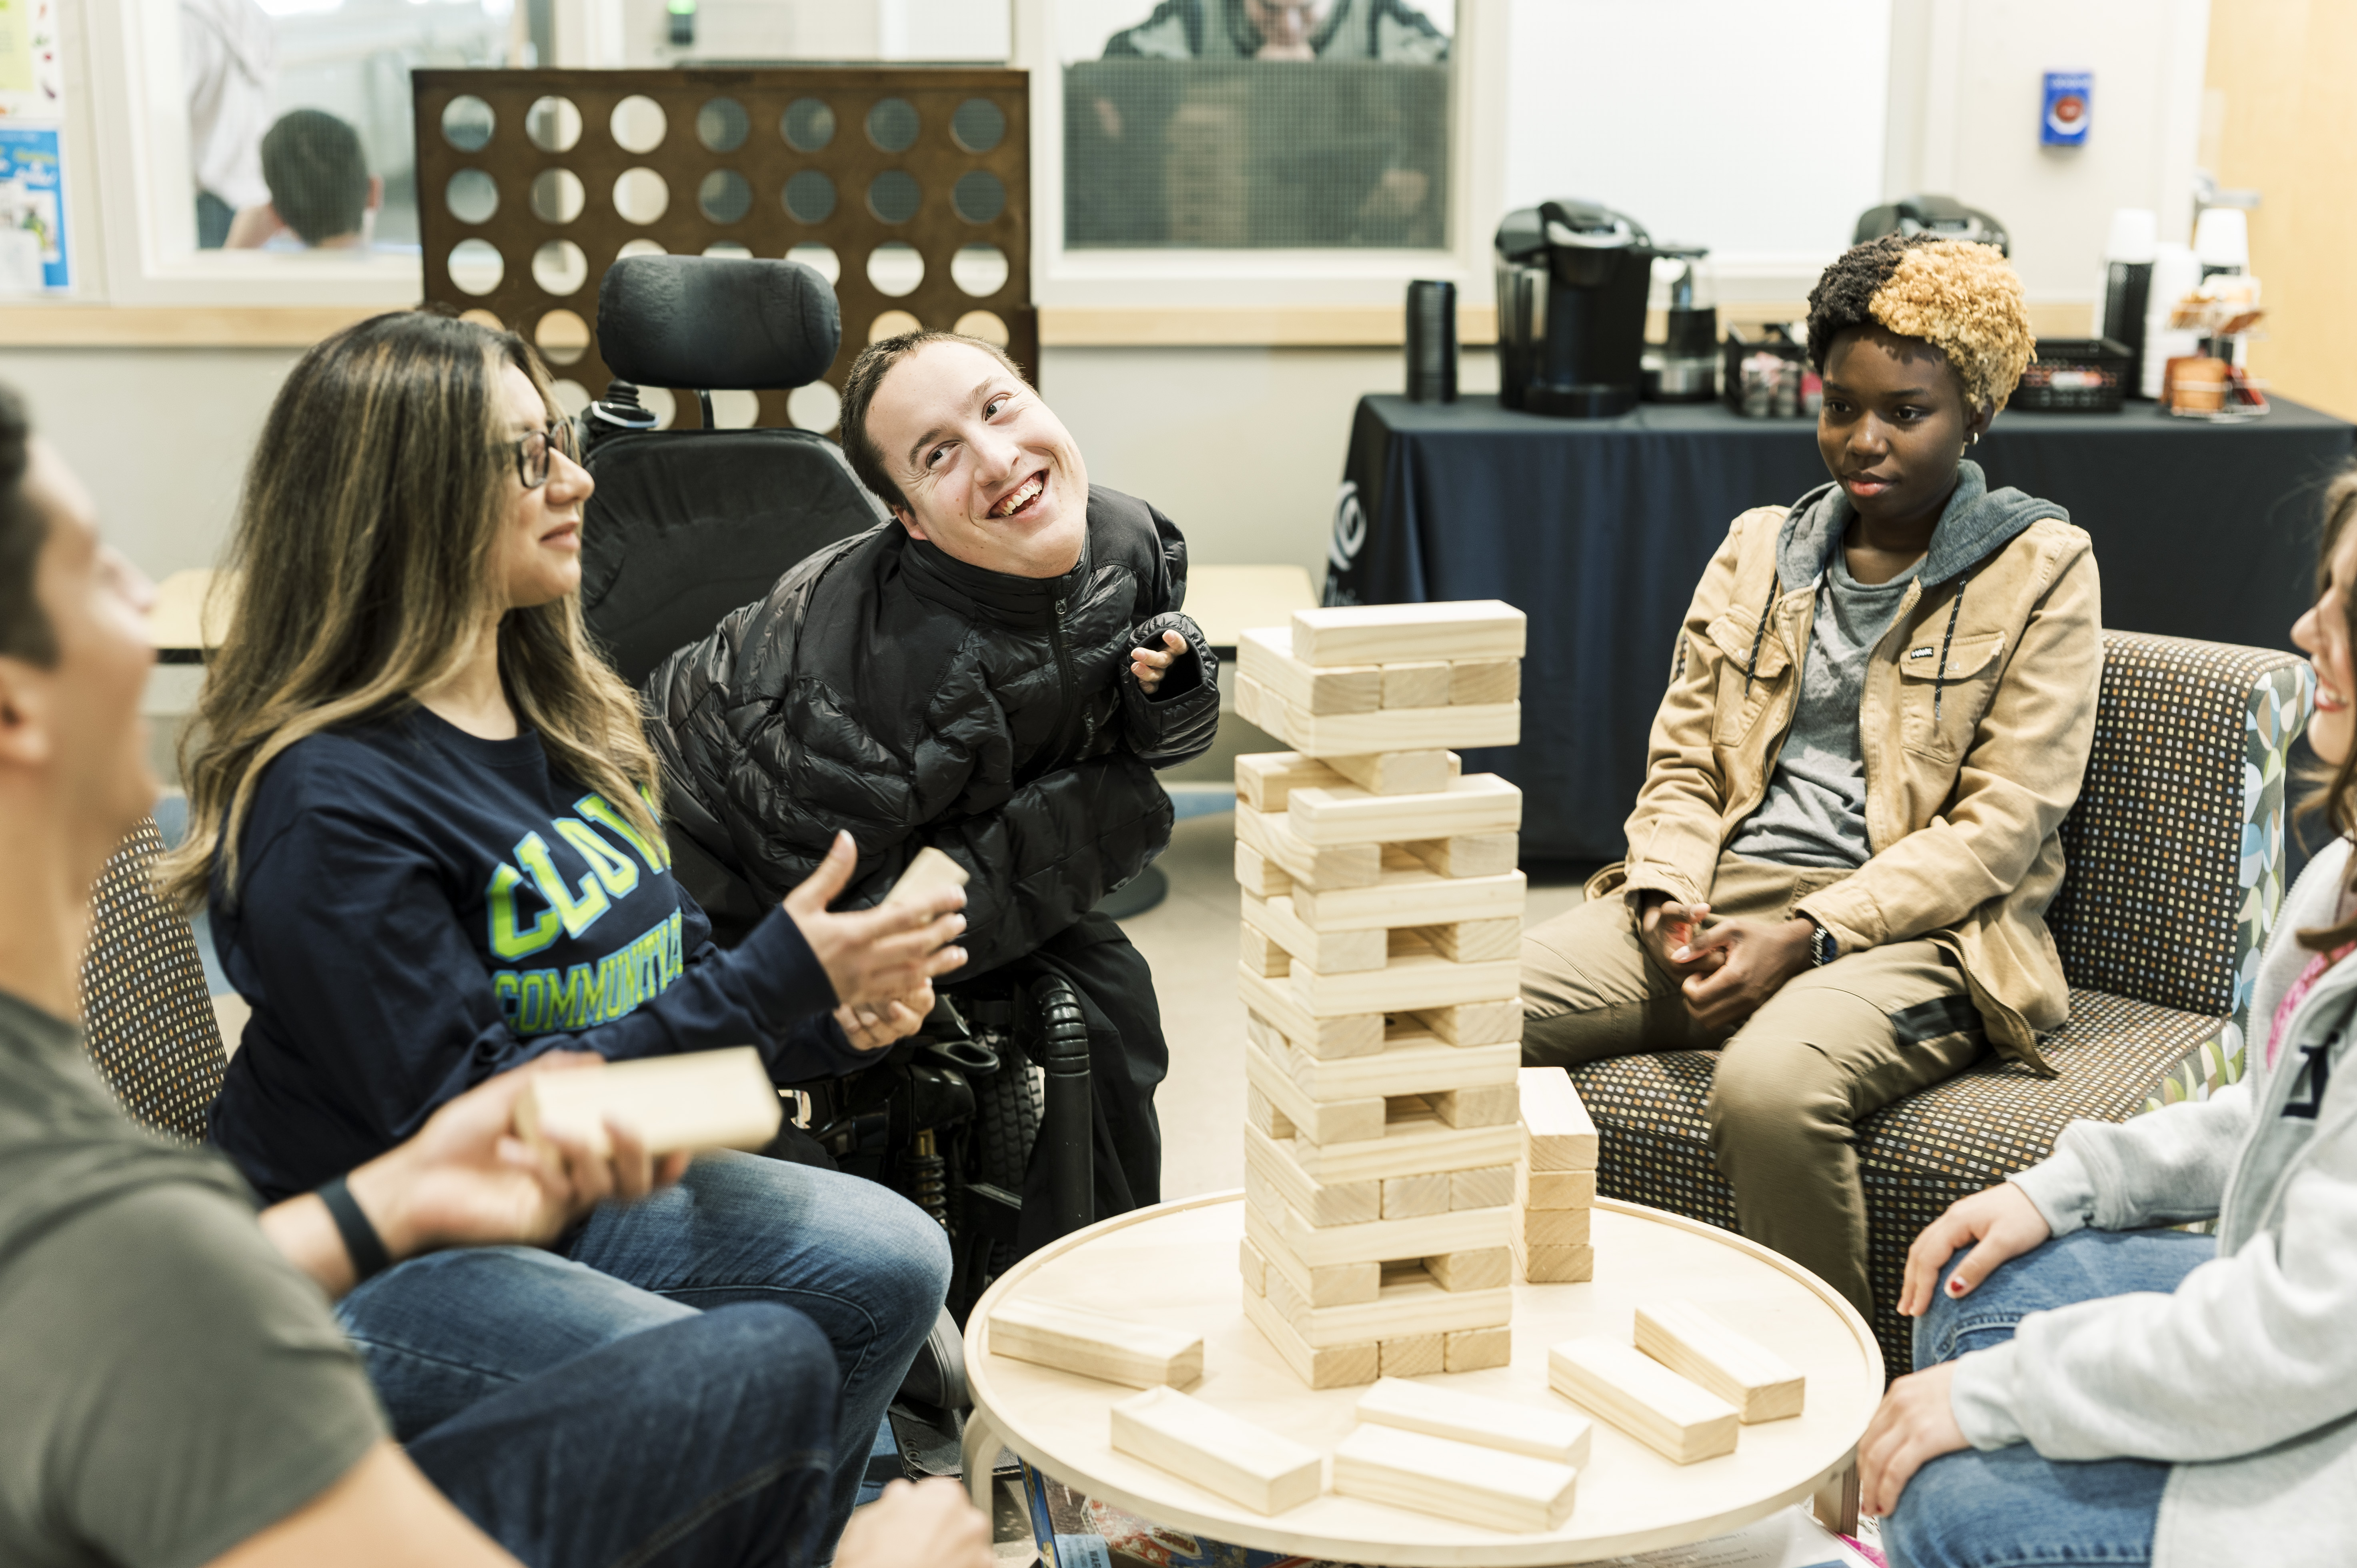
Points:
[(424, 819)]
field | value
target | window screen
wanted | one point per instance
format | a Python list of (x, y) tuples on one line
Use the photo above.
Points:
[(1256, 124)]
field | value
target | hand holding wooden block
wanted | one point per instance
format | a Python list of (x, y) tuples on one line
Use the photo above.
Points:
[(1096, 1344), (703, 1099), (1759, 1384), (929, 872), (1456, 1480), (1241, 1462), (1470, 1417), (1644, 1398)]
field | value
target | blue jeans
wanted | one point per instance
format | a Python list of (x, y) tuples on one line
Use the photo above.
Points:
[(689, 1445), (2009, 1508), (868, 1267)]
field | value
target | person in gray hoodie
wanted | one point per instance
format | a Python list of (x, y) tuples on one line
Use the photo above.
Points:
[(2094, 1387)]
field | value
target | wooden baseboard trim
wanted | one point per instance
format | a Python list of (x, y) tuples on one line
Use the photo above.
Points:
[(176, 326)]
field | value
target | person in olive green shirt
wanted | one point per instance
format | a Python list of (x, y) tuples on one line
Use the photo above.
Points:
[(173, 1389)]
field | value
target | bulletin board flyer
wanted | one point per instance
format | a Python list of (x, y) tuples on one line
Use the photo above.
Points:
[(32, 211)]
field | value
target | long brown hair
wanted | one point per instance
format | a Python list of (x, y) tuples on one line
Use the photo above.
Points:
[(2334, 797), (371, 514)]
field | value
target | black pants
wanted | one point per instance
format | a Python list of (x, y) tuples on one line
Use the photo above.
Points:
[(1128, 1059)]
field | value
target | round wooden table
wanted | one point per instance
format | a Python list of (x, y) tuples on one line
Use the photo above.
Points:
[(1176, 1264)]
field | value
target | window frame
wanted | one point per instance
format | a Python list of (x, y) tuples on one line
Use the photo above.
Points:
[(1351, 279)]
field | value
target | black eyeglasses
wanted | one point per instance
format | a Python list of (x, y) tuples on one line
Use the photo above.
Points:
[(532, 453)]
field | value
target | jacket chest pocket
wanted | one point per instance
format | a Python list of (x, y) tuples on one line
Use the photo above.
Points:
[(1745, 688), (1940, 701)]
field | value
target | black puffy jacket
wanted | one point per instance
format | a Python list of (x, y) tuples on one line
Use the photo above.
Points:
[(887, 688)]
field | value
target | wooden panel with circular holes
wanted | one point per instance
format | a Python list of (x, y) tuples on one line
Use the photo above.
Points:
[(916, 182)]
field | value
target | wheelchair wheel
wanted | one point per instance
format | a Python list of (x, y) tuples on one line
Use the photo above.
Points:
[(1007, 1123)]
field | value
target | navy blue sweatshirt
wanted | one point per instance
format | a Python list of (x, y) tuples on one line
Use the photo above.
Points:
[(418, 909)]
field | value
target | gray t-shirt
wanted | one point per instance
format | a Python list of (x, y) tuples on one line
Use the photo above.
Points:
[(1814, 813), (169, 1384)]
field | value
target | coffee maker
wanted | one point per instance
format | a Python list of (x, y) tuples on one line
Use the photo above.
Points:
[(1572, 282)]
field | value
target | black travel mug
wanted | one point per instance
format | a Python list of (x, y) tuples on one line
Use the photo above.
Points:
[(1432, 342)]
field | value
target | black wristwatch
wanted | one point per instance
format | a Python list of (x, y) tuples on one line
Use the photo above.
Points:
[(1823, 947)]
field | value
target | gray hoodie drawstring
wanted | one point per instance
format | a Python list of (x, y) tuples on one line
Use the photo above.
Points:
[(1940, 679)]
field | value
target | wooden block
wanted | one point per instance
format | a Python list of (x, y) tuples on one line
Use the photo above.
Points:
[(1273, 1040), (1096, 1344), (1298, 1284), (1471, 1349), (1374, 634), (1329, 952), (1415, 1305), (1420, 685), (1280, 1002), (1464, 1230), (1260, 954), (1252, 1265), (1413, 981), (1468, 855), (1397, 772), (1473, 941), (1265, 654), (1320, 1122), (1488, 1188), (1405, 1197), (1555, 1265), (1509, 1427), (1472, 681), (1473, 1484), (697, 1100), (1316, 867), (1329, 1367), (1642, 1397), (1411, 1062), (1560, 1136), (1417, 1355), (1396, 897), (1409, 1146), (1489, 1106), (1542, 1228), (1247, 1464), (1259, 875), (929, 872), (1759, 1384), (1489, 1268), (1554, 1189), (1391, 729), (1480, 803), (1265, 779), (1481, 1024), (1319, 1203), (1262, 708), (1264, 1116)]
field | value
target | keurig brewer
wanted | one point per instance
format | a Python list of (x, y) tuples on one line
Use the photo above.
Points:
[(1572, 281)]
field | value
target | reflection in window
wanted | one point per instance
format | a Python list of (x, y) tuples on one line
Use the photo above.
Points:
[(299, 114), (1256, 124)]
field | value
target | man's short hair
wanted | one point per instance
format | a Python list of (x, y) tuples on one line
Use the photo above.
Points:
[(25, 629), (1962, 298), (318, 177), (868, 373)]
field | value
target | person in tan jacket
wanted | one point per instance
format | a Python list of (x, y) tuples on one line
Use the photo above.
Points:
[(1878, 712)]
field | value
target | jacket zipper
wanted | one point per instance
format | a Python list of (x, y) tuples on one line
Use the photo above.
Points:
[(1071, 685)]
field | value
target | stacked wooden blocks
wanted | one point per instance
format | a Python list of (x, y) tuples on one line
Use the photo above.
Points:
[(1555, 1181), (1382, 932)]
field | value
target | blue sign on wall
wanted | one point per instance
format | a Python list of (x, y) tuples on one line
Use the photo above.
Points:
[(2069, 97), (32, 211)]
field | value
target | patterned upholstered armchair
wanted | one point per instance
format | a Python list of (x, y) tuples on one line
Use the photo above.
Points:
[(2175, 856), (149, 1024)]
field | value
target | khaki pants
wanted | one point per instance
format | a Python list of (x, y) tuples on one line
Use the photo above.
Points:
[(1834, 1044)]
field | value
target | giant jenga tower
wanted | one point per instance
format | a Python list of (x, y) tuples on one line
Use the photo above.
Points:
[(1383, 918)]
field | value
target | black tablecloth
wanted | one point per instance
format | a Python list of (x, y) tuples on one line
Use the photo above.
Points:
[(1599, 530)]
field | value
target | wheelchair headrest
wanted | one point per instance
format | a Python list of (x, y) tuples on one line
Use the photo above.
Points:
[(717, 322)]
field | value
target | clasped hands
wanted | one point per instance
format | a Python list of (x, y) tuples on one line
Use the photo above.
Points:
[(1727, 971)]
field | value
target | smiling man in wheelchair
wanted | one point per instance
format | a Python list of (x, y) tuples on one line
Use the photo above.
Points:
[(995, 674)]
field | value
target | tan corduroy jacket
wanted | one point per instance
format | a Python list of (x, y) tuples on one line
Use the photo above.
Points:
[(1975, 726)]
